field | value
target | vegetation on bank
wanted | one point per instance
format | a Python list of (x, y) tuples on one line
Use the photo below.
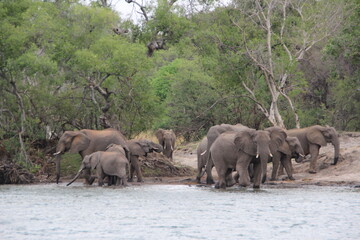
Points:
[(65, 65)]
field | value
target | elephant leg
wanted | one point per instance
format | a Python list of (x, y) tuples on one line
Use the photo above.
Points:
[(286, 162), (314, 151), (276, 163), (229, 178), (257, 175), (101, 176), (209, 177), (281, 170), (136, 165), (221, 171), (243, 171), (236, 177), (131, 174), (89, 180), (200, 170)]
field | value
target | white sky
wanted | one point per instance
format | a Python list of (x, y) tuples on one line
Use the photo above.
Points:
[(133, 12)]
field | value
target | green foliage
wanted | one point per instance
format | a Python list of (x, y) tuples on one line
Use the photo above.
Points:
[(70, 164), (59, 56)]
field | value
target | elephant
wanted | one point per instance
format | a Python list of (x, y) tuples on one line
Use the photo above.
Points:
[(140, 148), (291, 147), (202, 156), (117, 148), (166, 139), (106, 164), (85, 142), (313, 138), (212, 135), (237, 149)]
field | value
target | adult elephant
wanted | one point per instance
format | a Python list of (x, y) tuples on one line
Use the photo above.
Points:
[(85, 142), (313, 138), (213, 133), (140, 148), (236, 150), (106, 164), (202, 156), (291, 148), (167, 140)]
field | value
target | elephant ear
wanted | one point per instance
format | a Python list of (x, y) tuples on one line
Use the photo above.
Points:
[(94, 159), (278, 136), (285, 147), (244, 141), (79, 142), (145, 145), (315, 135), (136, 149)]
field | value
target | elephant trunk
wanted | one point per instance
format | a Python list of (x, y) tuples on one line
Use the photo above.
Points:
[(57, 168), (264, 157), (76, 177), (60, 148), (336, 144)]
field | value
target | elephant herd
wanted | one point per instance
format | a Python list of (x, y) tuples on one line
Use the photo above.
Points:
[(228, 148), (110, 154), (247, 151)]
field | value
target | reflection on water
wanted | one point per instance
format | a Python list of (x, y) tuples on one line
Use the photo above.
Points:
[(177, 212)]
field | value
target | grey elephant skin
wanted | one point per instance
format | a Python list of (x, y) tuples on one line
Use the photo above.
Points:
[(236, 150), (140, 148), (202, 156), (167, 140), (313, 138), (105, 164), (117, 148), (85, 142), (291, 148), (213, 133)]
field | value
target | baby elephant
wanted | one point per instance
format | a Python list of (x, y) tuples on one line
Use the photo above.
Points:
[(106, 164)]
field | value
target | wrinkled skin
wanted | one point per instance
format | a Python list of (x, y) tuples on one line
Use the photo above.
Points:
[(289, 149), (106, 164), (236, 150), (167, 140), (140, 148), (313, 138), (202, 156), (213, 133), (85, 142), (117, 148)]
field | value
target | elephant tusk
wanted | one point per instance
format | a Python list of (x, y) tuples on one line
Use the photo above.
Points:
[(257, 155), (201, 154), (172, 149), (57, 153), (271, 155), (301, 155)]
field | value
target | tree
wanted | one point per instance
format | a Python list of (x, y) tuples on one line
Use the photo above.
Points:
[(277, 53)]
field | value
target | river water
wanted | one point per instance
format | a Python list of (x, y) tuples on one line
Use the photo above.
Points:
[(177, 212)]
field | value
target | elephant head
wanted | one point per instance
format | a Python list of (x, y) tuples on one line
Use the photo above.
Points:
[(322, 135), (70, 141), (292, 147), (143, 147), (166, 139)]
